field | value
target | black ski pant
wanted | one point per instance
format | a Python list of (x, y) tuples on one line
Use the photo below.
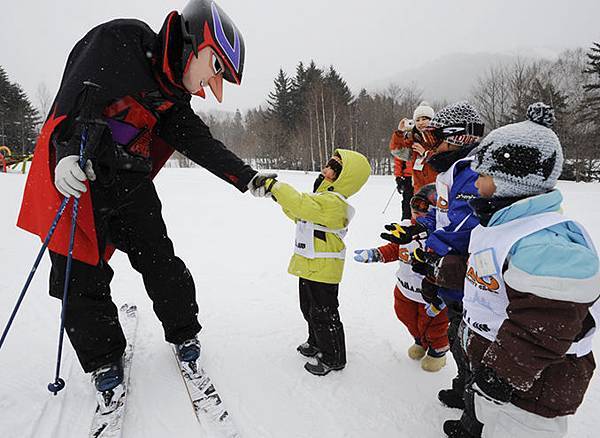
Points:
[(127, 215), (319, 305), (406, 190)]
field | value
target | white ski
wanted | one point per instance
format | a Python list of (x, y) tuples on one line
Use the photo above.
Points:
[(110, 425), (206, 402)]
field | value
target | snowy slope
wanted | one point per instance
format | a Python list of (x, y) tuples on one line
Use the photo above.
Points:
[(237, 248)]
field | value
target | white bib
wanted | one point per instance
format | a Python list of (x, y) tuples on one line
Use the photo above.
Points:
[(443, 186), (485, 299), (304, 243), (408, 281)]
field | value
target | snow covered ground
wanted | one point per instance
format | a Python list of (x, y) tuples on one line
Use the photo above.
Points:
[(237, 248)]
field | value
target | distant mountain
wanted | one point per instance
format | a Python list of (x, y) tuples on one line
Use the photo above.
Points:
[(453, 76)]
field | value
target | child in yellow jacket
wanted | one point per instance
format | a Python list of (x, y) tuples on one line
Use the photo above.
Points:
[(322, 220)]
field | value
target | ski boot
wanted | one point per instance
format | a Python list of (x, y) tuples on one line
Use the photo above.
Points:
[(320, 368), (455, 429), (110, 388), (307, 350), (188, 353), (451, 399)]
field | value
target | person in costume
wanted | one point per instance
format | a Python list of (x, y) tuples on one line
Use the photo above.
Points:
[(143, 109)]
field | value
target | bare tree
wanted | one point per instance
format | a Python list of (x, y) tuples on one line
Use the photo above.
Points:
[(44, 99)]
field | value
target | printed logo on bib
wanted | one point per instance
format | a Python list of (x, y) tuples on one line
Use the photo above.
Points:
[(404, 255), (406, 285), (489, 283), (477, 325), (442, 200)]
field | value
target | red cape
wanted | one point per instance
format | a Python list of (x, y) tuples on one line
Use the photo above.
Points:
[(41, 201)]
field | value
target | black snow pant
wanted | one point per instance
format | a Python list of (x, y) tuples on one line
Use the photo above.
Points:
[(455, 311), (405, 188), (319, 305), (127, 215), (468, 420)]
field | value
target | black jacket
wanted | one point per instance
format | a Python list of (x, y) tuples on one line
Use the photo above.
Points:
[(139, 73)]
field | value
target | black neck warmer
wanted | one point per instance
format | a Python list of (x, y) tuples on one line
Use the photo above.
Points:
[(484, 208), (442, 161)]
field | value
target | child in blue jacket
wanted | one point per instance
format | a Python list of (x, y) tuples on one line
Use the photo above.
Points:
[(457, 128)]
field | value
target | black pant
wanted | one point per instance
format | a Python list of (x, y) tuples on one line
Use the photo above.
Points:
[(128, 215), (455, 311), (405, 188), (468, 420), (319, 305)]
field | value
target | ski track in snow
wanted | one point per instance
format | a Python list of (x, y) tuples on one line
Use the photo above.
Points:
[(237, 249)]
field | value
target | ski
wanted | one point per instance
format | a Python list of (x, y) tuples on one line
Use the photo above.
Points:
[(206, 401), (110, 425)]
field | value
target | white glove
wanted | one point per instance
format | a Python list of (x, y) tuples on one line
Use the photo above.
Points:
[(367, 255), (257, 186), (69, 178)]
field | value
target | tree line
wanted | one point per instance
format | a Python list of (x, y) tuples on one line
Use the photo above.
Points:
[(19, 119), (312, 112)]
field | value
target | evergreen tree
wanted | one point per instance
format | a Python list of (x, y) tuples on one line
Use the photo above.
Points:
[(593, 88), (280, 101), (18, 118)]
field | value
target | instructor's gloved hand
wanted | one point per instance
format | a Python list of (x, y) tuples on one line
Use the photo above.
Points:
[(487, 384), (401, 234), (424, 262), (262, 183), (367, 255), (69, 178)]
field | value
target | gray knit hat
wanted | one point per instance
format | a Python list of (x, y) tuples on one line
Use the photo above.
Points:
[(524, 158), (459, 113)]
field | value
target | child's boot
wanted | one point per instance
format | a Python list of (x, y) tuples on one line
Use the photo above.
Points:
[(416, 351), (307, 350), (320, 368), (434, 360)]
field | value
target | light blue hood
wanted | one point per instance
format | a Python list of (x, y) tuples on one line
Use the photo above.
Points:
[(558, 251)]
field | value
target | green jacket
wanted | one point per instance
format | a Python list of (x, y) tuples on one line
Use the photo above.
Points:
[(327, 209)]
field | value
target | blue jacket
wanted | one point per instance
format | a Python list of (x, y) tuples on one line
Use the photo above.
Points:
[(446, 240)]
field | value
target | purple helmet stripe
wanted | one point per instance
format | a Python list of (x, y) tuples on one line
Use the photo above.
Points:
[(233, 53)]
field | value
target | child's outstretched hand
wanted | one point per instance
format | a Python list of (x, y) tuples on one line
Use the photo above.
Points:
[(367, 255), (261, 185)]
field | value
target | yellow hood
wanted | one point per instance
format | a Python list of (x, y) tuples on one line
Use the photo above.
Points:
[(355, 173)]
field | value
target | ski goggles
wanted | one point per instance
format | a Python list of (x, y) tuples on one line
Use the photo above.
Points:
[(468, 128), (334, 165), (419, 204)]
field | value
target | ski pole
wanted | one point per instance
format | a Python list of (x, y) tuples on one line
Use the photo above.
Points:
[(59, 214), (86, 118), (389, 200)]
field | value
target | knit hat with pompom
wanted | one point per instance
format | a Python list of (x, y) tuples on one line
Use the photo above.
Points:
[(525, 158)]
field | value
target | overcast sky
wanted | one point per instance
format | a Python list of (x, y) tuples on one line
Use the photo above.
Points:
[(365, 40)]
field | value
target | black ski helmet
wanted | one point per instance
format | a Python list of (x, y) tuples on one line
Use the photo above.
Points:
[(204, 23)]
